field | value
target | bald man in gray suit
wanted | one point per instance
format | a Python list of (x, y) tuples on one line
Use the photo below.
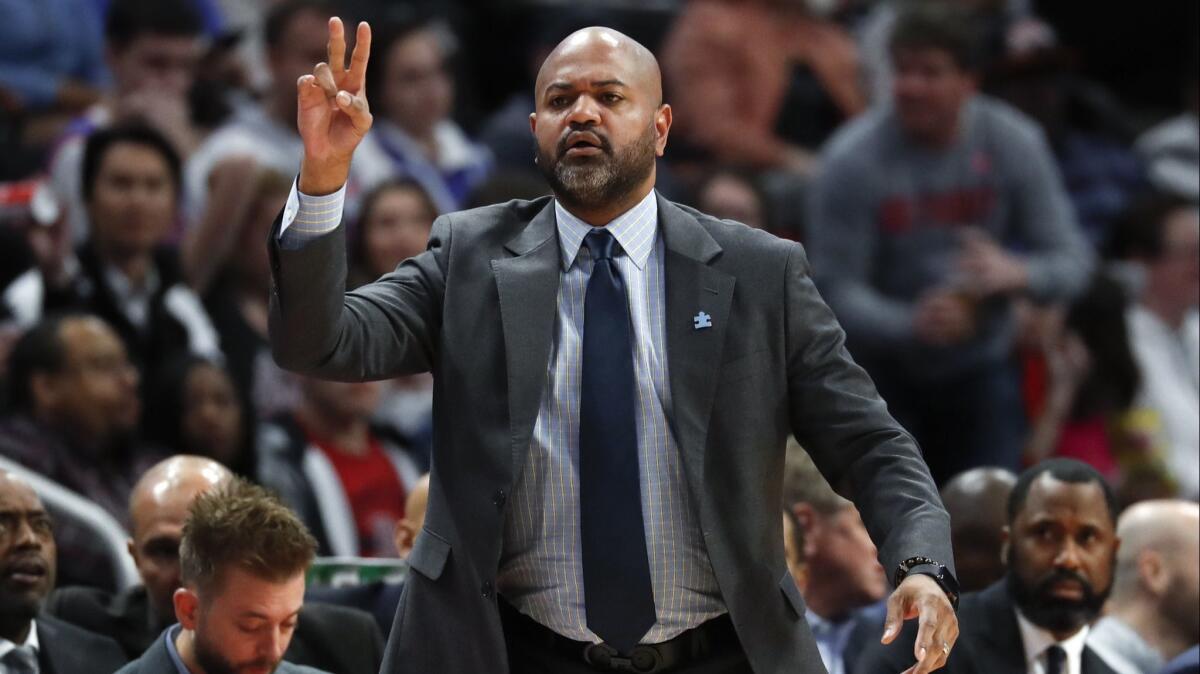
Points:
[(602, 348)]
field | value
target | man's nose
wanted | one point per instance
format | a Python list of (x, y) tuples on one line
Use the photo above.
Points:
[(584, 111), (1068, 556)]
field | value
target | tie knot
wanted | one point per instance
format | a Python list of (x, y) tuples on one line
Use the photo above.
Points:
[(600, 243), (1056, 659), (21, 660)]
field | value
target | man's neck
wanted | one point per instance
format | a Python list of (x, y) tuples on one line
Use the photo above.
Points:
[(1166, 312), (15, 628), (185, 644), (1153, 627), (606, 213), (133, 266)]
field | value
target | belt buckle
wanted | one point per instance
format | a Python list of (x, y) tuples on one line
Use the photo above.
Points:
[(642, 660)]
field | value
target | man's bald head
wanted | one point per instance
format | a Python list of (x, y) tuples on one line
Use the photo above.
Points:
[(178, 479), (1168, 527), (1156, 589), (977, 501), (158, 508), (596, 43)]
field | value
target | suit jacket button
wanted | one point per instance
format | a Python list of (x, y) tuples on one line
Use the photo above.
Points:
[(486, 590), (499, 498)]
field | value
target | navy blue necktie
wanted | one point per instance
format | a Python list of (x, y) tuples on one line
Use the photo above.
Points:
[(1056, 660), (616, 571)]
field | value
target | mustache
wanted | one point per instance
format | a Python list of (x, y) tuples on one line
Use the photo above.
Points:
[(573, 135), (1060, 575)]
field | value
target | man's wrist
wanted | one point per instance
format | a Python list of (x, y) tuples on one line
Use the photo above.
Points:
[(933, 569), (318, 179)]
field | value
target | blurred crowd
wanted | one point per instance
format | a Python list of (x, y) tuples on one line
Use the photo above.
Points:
[(1011, 244)]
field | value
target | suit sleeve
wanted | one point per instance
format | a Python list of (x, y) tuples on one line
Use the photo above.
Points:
[(839, 418), (385, 329)]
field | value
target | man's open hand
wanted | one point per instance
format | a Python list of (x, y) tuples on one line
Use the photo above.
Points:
[(332, 113), (919, 596)]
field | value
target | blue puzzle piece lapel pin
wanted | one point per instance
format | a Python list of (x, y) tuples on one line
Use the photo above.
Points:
[(702, 320)]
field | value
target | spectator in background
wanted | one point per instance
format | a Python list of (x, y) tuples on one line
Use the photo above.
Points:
[(32, 642), (916, 222), (346, 478), (380, 598), (1060, 547), (242, 560), (976, 500), (412, 98), (235, 296), (336, 639), (1154, 613), (841, 565), (394, 221), (220, 177), (1088, 410), (733, 195), (73, 417), (51, 55), (124, 273), (394, 225), (194, 408), (153, 48), (739, 71), (1162, 235)]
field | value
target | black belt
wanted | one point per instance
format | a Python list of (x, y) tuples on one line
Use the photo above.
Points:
[(713, 637)]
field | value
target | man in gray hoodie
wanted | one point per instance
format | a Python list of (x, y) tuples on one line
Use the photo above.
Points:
[(928, 218)]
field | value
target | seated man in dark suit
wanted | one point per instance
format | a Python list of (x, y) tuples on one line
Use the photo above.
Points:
[(242, 559), (31, 643), (1060, 548), (333, 638)]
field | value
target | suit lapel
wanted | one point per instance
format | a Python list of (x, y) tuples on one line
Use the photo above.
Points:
[(998, 632), (693, 289), (528, 288)]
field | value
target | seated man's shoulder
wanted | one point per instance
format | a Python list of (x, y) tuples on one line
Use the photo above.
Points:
[(84, 650)]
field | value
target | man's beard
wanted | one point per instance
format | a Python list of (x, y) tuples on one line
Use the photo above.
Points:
[(593, 181), (1179, 607), (212, 662), (1047, 611)]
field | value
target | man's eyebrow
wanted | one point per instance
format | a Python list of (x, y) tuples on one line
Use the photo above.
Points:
[(566, 86)]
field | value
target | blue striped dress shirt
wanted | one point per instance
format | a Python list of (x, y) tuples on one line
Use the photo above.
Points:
[(540, 570)]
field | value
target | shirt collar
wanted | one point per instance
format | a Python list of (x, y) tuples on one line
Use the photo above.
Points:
[(169, 635), (31, 641), (124, 289), (634, 230), (1036, 640)]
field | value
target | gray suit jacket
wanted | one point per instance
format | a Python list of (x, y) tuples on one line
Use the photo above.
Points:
[(478, 309)]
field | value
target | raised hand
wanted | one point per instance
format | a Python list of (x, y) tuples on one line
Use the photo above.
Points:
[(332, 113)]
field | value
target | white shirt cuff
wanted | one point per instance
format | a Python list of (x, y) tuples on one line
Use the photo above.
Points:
[(307, 216)]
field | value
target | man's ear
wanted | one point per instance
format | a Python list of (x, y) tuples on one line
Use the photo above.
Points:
[(132, 550), (404, 535), (533, 122), (662, 127), (1153, 573), (43, 388), (187, 607), (809, 520)]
